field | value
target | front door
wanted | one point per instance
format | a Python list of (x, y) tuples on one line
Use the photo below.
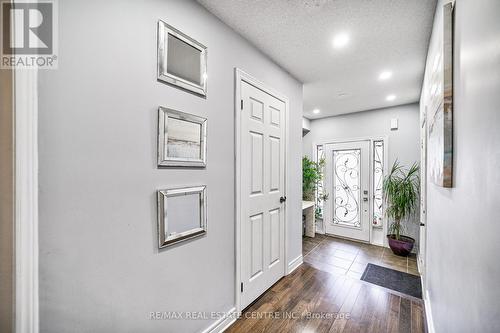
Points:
[(347, 182), (262, 191)]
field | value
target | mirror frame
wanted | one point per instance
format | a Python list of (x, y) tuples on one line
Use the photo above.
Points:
[(165, 161), (163, 31), (163, 195)]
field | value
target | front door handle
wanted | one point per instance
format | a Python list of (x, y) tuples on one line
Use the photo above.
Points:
[(282, 199)]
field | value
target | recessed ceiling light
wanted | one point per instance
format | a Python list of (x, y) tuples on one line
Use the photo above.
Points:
[(316, 111), (385, 75), (390, 98), (340, 40)]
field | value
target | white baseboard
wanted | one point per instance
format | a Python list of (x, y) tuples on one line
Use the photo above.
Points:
[(427, 300), (428, 313), (294, 264), (419, 263), (223, 323), (377, 243)]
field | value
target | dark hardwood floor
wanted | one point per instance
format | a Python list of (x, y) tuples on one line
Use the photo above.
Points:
[(322, 297)]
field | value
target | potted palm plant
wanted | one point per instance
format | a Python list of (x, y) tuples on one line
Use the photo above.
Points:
[(401, 191)]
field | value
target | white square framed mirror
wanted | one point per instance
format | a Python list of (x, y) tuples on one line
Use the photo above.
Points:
[(182, 61), (182, 214)]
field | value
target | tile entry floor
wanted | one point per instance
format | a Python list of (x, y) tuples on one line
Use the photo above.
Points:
[(339, 256)]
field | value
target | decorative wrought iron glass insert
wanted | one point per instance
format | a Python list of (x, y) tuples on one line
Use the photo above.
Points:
[(346, 185), (320, 154), (378, 180)]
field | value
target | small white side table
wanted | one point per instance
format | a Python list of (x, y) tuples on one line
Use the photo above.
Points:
[(308, 211)]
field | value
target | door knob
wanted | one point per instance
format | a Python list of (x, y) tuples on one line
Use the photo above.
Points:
[(282, 199)]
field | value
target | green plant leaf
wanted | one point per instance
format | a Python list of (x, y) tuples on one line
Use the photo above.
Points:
[(312, 173)]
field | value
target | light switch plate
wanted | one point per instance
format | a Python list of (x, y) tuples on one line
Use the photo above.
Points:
[(394, 124)]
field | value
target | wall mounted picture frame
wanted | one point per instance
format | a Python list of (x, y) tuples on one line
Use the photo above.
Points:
[(182, 139), (440, 119), (182, 61), (182, 214)]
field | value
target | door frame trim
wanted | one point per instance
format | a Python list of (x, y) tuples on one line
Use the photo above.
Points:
[(241, 76), (26, 200), (422, 250), (385, 139)]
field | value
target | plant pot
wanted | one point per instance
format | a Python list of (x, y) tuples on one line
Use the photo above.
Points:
[(401, 247)]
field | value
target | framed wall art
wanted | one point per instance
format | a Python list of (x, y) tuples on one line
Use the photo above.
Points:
[(182, 61), (182, 214), (440, 118), (182, 139)]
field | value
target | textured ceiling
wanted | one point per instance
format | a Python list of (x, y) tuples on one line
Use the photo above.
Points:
[(384, 34)]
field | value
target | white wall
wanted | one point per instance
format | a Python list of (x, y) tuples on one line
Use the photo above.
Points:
[(100, 269), (463, 269), (306, 124), (403, 144)]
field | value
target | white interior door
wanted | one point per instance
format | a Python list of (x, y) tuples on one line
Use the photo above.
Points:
[(262, 139), (347, 180)]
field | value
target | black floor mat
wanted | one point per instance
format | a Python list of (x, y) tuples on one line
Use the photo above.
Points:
[(389, 278)]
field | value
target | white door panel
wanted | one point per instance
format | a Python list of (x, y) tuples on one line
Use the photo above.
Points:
[(262, 186), (347, 181)]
